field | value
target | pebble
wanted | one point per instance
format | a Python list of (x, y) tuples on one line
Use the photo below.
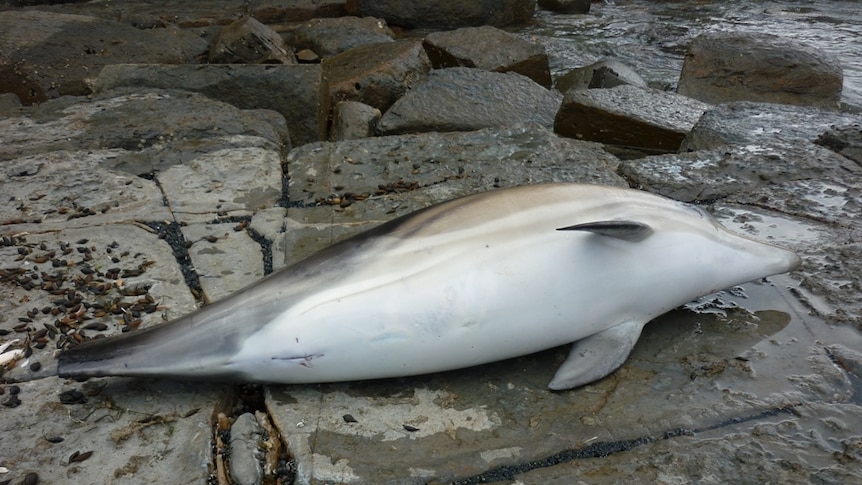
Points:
[(245, 455)]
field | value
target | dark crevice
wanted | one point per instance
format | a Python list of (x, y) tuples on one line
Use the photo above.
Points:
[(173, 235), (601, 449)]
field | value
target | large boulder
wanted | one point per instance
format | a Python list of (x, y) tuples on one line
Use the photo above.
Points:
[(488, 48), (722, 66), (628, 116), (566, 6), (45, 55), (464, 99), (376, 74), (298, 92), (329, 36), (445, 14)]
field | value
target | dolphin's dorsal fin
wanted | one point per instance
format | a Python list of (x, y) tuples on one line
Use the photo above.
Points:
[(627, 230), (596, 356)]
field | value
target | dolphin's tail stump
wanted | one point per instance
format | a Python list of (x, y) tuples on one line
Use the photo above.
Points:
[(104, 357)]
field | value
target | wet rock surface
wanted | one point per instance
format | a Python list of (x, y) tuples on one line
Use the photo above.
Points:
[(488, 48), (137, 204), (494, 99), (628, 116)]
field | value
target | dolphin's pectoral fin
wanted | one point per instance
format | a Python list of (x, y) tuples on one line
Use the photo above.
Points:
[(627, 230), (596, 356)]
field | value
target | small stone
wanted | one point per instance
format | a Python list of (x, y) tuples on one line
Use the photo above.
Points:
[(348, 418)]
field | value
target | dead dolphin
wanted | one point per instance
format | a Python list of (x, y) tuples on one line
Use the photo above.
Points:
[(473, 280)]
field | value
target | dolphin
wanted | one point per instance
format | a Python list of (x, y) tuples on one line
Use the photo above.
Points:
[(474, 280)]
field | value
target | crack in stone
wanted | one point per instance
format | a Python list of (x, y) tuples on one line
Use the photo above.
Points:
[(602, 449)]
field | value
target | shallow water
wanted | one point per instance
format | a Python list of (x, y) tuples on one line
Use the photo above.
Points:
[(652, 36)]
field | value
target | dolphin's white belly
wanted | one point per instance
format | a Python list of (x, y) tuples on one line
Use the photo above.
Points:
[(409, 314)]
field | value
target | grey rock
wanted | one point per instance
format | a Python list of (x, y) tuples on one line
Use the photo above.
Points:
[(153, 128), (49, 54), (125, 448), (9, 102), (488, 48), (327, 37), (607, 73), (566, 6), (445, 14), (296, 92), (628, 116), (249, 41), (197, 15), (721, 67), (745, 122), (210, 184), (465, 99), (727, 171), (352, 119), (376, 74), (846, 140), (127, 247), (245, 454), (225, 259)]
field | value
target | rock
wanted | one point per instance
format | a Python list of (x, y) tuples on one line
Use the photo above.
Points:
[(566, 6), (197, 15), (488, 48), (452, 163), (743, 170), (47, 55), (743, 122), (607, 73), (721, 67), (245, 455), (465, 99), (327, 37), (125, 448), (249, 41), (9, 102), (154, 128), (351, 120), (444, 14), (628, 116), (846, 140), (376, 74), (209, 184), (297, 92)]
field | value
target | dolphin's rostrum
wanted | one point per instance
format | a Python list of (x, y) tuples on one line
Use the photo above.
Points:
[(473, 280)]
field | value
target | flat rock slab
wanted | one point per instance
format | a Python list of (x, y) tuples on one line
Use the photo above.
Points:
[(211, 184), (225, 259), (727, 66), (298, 93), (629, 116), (488, 48), (157, 128), (139, 432), (466, 99), (83, 283), (74, 189), (51, 54), (742, 123)]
